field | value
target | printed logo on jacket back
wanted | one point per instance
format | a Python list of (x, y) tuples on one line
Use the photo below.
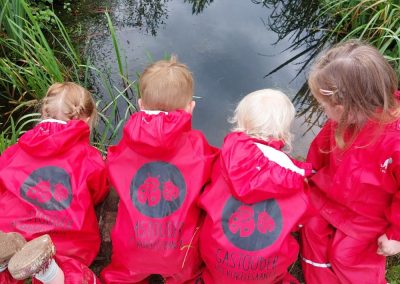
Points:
[(252, 227), (158, 189), (48, 188)]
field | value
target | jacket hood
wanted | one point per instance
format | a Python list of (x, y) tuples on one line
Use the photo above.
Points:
[(257, 170), (155, 131), (51, 137)]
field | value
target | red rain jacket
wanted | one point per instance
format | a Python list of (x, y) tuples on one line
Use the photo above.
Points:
[(357, 189), (158, 170), (256, 199), (49, 183)]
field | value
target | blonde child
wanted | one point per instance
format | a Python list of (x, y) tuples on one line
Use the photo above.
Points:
[(256, 197), (158, 170), (356, 156), (49, 183)]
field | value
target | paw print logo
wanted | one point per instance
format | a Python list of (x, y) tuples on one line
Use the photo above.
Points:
[(242, 221), (60, 192), (48, 188), (252, 227), (171, 191), (41, 192), (265, 223), (158, 189), (149, 191)]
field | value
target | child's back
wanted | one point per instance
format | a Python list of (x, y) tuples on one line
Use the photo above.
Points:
[(50, 181), (158, 170), (256, 198)]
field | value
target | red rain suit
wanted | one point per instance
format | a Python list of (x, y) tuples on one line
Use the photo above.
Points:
[(256, 199), (49, 183), (158, 169), (356, 192)]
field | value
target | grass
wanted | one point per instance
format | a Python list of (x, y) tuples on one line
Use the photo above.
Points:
[(14, 130), (31, 59), (314, 25)]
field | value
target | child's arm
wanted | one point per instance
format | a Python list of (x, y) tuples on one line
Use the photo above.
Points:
[(272, 175), (320, 148), (389, 242), (7, 155), (98, 179)]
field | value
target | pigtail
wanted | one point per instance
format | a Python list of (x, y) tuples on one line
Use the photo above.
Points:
[(66, 101)]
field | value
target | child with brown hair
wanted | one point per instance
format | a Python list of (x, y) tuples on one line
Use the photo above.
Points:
[(356, 156), (256, 197), (50, 181), (158, 170)]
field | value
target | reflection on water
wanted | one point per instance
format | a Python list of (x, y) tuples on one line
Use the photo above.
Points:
[(230, 45), (199, 5)]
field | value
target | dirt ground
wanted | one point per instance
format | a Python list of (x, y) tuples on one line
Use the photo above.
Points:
[(106, 214)]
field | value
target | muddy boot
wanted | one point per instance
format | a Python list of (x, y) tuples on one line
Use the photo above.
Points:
[(10, 243), (33, 258)]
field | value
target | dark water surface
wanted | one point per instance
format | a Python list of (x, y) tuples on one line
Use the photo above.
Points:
[(228, 47)]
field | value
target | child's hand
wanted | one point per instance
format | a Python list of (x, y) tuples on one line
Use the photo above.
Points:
[(387, 247)]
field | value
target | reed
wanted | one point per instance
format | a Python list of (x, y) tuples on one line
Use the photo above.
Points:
[(14, 130), (31, 59), (314, 25)]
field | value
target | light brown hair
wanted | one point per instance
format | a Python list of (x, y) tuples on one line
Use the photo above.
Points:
[(66, 101), (356, 76), (166, 85)]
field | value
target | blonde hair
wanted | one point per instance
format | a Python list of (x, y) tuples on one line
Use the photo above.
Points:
[(66, 101), (166, 85), (356, 76), (265, 114)]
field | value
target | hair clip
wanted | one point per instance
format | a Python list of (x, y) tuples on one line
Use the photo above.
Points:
[(326, 92)]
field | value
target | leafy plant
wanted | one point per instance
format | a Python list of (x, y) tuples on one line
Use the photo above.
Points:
[(29, 64), (322, 23), (13, 131)]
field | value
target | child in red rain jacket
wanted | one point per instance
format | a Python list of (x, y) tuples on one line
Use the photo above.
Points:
[(256, 197), (356, 156), (159, 169), (49, 183)]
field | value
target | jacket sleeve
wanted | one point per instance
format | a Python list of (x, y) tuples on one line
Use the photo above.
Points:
[(210, 157), (309, 213), (7, 155), (5, 158), (207, 153), (393, 212), (318, 154), (97, 180), (257, 181)]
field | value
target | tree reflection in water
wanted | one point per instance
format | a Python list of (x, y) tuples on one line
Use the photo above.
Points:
[(149, 14), (199, 5), (299, 21)]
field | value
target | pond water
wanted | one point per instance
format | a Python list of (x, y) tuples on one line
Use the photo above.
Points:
[(228, 47)]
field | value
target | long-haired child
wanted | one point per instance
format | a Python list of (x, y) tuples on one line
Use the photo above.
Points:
[(356, 156)]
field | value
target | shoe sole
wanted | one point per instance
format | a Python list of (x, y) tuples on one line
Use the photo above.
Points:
[(33, 257), (10, 243)]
